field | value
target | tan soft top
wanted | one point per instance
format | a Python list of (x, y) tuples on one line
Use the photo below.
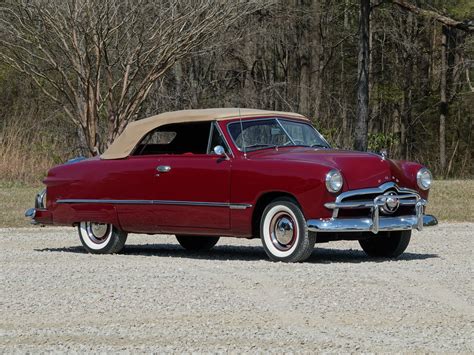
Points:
[(135, 131)]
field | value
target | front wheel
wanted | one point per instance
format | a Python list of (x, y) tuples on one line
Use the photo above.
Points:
[(284, 232), (197, 242), (386, 244), (100, 238)]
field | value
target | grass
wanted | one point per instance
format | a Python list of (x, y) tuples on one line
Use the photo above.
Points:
[(450, 200), (28, 149), (14, 201)]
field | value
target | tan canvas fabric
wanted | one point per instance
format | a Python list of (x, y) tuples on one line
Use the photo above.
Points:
[(135, 131)]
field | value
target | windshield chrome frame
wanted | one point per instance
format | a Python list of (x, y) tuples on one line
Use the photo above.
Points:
[(284, 130), (308, 124), (279, 123)]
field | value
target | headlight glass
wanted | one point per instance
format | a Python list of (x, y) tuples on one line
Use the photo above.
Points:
[(424, 179), (334, 181)]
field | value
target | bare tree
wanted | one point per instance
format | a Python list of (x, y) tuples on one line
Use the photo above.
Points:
[(361, 128), (448, 24), (467, 25), (100, 59)]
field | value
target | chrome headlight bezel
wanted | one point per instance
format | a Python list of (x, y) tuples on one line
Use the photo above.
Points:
[(334, 181), (424, 179)]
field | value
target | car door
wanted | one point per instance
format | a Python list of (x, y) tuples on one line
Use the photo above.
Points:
[(180, 187), (195, 188), (194, 192)]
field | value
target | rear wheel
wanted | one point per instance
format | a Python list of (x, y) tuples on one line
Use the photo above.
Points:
[(100, 238), (386, 244), (197, 242), (284, 232)]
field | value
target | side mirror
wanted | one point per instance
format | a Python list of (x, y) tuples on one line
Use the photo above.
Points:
[(220, 151)]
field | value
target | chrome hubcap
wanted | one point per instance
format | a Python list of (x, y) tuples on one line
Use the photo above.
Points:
[(282, 231), (97, 232)]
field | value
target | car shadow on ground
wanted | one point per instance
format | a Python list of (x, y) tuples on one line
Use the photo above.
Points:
[(245, 253)]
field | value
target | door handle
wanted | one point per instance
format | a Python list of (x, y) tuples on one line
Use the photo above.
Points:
[(163, 168)]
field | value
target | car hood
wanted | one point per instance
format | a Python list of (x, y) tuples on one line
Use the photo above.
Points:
[(360, 169)]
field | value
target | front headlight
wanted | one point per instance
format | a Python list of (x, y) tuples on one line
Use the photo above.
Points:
[(424, 179), (334, 181)]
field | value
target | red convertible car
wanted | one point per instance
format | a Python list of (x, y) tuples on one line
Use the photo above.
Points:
[(203, 174)]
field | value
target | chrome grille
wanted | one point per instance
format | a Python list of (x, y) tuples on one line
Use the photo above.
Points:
[(379, 200)]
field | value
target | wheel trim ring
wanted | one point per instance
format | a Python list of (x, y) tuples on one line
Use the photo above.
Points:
[(278, 244)]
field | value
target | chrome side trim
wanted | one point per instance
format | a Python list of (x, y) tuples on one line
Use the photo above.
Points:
[(341, 225), (235, 206), (239, 206)]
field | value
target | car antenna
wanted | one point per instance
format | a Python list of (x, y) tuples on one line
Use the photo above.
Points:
[(243, 137)]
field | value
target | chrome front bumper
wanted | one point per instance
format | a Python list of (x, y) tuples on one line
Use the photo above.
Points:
[(39, 210), (31, 213), (386, 196), (369, 225)]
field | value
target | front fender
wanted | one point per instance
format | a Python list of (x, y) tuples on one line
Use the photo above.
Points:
[(304, 181), (405, 172)]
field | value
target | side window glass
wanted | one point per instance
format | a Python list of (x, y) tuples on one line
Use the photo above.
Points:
[(216, 139), (158, 137)]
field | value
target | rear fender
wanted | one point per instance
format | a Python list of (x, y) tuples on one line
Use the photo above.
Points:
[(70, 214)]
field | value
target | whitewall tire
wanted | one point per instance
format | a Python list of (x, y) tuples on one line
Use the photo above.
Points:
[(284, 232), (99, 238)]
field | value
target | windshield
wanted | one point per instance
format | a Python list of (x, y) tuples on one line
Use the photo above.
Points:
[(274, 132)]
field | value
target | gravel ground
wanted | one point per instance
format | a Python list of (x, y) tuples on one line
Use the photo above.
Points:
[(156, 297)]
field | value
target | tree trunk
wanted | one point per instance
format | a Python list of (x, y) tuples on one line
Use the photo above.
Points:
[(443, 107), (363, 78), (345, 140)]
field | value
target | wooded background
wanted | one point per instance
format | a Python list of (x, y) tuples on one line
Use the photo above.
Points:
[(74, 73)]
